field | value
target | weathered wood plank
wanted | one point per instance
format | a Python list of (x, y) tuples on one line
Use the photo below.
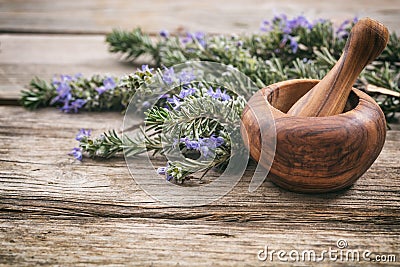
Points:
[(98, 16), (71, 241), (23, 57), (55, 210)]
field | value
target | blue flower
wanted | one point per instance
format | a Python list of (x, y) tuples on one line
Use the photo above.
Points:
[(164, 33), (73, 106), (174, 101), (168, 75), (265, 26), (63, 91), (108, 84), (101, 89), (186, 40), (164, 171), (82, 134), (169, 177), (186, 77), (187, 92), (190, 144), (145, 68), (77, 153), (200, 38), (218, 141), (218, 94), (294, 45), (289, 25), (197, 36), (342, 31), (203, 145)]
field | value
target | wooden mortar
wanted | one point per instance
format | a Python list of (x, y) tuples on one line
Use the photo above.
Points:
[(327, 133), (314, 154)]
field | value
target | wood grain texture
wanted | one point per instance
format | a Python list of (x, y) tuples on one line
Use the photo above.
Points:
[(314, 154), (57, 211), (366, 41), (100, 16)]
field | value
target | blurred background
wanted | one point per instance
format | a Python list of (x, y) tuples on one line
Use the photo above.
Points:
[(100, 16)]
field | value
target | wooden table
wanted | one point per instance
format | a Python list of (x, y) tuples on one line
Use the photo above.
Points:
[(58, 211)]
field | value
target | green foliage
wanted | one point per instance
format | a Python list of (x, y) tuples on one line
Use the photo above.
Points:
[(288, 49)]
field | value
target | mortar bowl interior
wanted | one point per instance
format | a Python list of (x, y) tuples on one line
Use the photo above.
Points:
[(314, 154)]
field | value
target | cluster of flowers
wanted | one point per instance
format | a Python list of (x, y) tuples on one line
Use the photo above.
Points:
[(66, 85), (185, 79), (64, 95), (188, 88), (289, 28), (204, 145), (77, 151), (197, 37)]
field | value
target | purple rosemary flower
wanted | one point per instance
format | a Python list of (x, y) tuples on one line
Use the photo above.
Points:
[(73, 106), (169, 177), (77, 153), (218, 141), (203, 145), (186, 77), (101, 90), (190, 37), (108, 84), (190, 144), (239, 43), (82, 134), (300, 21), (168, 75), (265, 26), (280, 20), (343, 30), (63, 94), (63, 89), (174, 101), (164, 33), (63, 79), (187, 39), (218, 94), (187, 92), (200, 37), (146, 68), (163, 171), (294, 45)]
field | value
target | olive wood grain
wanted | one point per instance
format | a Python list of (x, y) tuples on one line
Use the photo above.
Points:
[(366, 41), (314, 154)]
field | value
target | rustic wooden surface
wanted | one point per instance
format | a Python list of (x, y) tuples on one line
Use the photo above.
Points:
[(57, 211), (99, 16)]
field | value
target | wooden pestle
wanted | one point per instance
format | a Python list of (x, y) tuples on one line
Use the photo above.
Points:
[(366, 41)]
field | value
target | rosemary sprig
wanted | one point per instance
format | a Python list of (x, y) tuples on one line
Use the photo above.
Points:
[(285, 49)]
